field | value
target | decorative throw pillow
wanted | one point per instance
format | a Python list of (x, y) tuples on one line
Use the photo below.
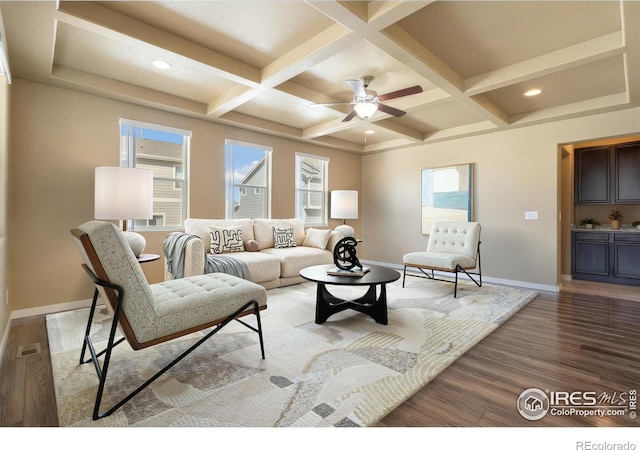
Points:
[(316, 238), (226, 240), (283, 237)]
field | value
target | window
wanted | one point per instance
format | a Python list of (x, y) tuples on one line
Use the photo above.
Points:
[(311, 189), (164, 151), (248, 180)]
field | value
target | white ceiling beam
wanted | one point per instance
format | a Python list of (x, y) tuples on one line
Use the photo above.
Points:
[(401, 130), (575, 55), (630, 12), (388, 145), (464, 130), (340, 144), (592, 106), (330, 127), (233, 98), (126, 91), (262, 125), (308, 54), (414, 55)]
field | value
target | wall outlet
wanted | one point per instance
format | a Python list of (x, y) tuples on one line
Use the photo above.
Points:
[(531, 215)]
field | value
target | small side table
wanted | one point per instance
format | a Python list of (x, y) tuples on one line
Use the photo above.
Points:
[(147, 257)]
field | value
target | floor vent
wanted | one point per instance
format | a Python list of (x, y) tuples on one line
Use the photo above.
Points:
[(28, 350)]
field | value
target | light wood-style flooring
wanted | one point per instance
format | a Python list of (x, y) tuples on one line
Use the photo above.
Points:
[(585, 338)]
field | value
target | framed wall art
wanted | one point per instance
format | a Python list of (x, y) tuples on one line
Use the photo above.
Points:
[(446, 195)]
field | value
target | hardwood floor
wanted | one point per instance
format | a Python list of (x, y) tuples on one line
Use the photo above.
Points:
[(27, 397), (571, 341)]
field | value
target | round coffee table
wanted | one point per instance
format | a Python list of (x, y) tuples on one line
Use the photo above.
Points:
[(327, 304)]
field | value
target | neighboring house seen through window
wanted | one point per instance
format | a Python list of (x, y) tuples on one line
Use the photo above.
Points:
[(248, 180), (164, 151), (311, 189)]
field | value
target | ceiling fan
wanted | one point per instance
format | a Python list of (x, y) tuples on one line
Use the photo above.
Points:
[(366, 103)]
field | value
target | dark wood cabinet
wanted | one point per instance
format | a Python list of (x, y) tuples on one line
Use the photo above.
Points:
[(610, 257), (593, 175), (608, 174), (591, 254), (627, 173), (626, 256)]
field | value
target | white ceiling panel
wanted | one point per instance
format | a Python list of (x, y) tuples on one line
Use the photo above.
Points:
[(261, 64)]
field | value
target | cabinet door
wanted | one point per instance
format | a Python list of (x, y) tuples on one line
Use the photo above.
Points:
[(592, 179), (591, 257), (626, 255), (627, 175)]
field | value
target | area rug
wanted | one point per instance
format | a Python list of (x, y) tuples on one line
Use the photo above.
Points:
[(348, 372)]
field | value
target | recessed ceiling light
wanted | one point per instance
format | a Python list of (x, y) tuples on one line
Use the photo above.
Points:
[(160, 64), (369, 131), (533, 92)]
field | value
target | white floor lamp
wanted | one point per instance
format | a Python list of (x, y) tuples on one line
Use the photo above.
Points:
[(344, 205), (124, 193)]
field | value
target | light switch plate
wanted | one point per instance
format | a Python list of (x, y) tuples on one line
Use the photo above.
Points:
[(531, 215)]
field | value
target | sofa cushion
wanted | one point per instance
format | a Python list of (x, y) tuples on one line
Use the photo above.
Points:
[(200, 227), (443, 261), (263, 231), (283, 237), (294, 259), (190, 302), (262, 267), (316, 238), (226, 240)]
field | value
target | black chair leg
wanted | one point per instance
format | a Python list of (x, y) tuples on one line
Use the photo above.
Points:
[(455, 287), (404, 275)]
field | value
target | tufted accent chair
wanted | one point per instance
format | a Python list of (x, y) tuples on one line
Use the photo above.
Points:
[(149, 314), (453, 247)]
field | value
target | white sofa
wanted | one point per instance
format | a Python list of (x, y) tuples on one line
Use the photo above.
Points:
[(267, 265)]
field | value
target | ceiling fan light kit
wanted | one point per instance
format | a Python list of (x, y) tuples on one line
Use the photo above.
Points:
[(365, 109), (366, 103)]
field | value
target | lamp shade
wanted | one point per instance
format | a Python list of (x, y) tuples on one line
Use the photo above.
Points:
[(123, 193), (344, 204)]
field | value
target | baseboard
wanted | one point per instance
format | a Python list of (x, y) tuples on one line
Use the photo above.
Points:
[(5, 339), (29, 312), (492, 280), (49, 309)]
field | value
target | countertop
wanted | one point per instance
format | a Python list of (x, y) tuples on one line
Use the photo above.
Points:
[(607, 229)]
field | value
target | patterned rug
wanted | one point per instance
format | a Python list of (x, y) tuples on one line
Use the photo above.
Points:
[(349, 371)]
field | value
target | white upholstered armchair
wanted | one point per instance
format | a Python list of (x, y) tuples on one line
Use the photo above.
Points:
[(149, 314), (453, 247)]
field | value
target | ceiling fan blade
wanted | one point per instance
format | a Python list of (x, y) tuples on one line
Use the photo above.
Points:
[(349, 116), (357, 88), (401, 93), (389, 110)]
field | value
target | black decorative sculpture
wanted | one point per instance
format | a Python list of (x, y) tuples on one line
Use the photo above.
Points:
[(344, 254)]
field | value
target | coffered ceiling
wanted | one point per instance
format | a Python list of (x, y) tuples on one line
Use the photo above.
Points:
[(262, 64)]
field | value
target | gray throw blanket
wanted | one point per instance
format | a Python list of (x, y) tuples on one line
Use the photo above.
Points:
[(173, 247)]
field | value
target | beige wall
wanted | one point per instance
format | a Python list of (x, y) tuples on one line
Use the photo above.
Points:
[(60, 136), (514, 171), (4, 131)]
